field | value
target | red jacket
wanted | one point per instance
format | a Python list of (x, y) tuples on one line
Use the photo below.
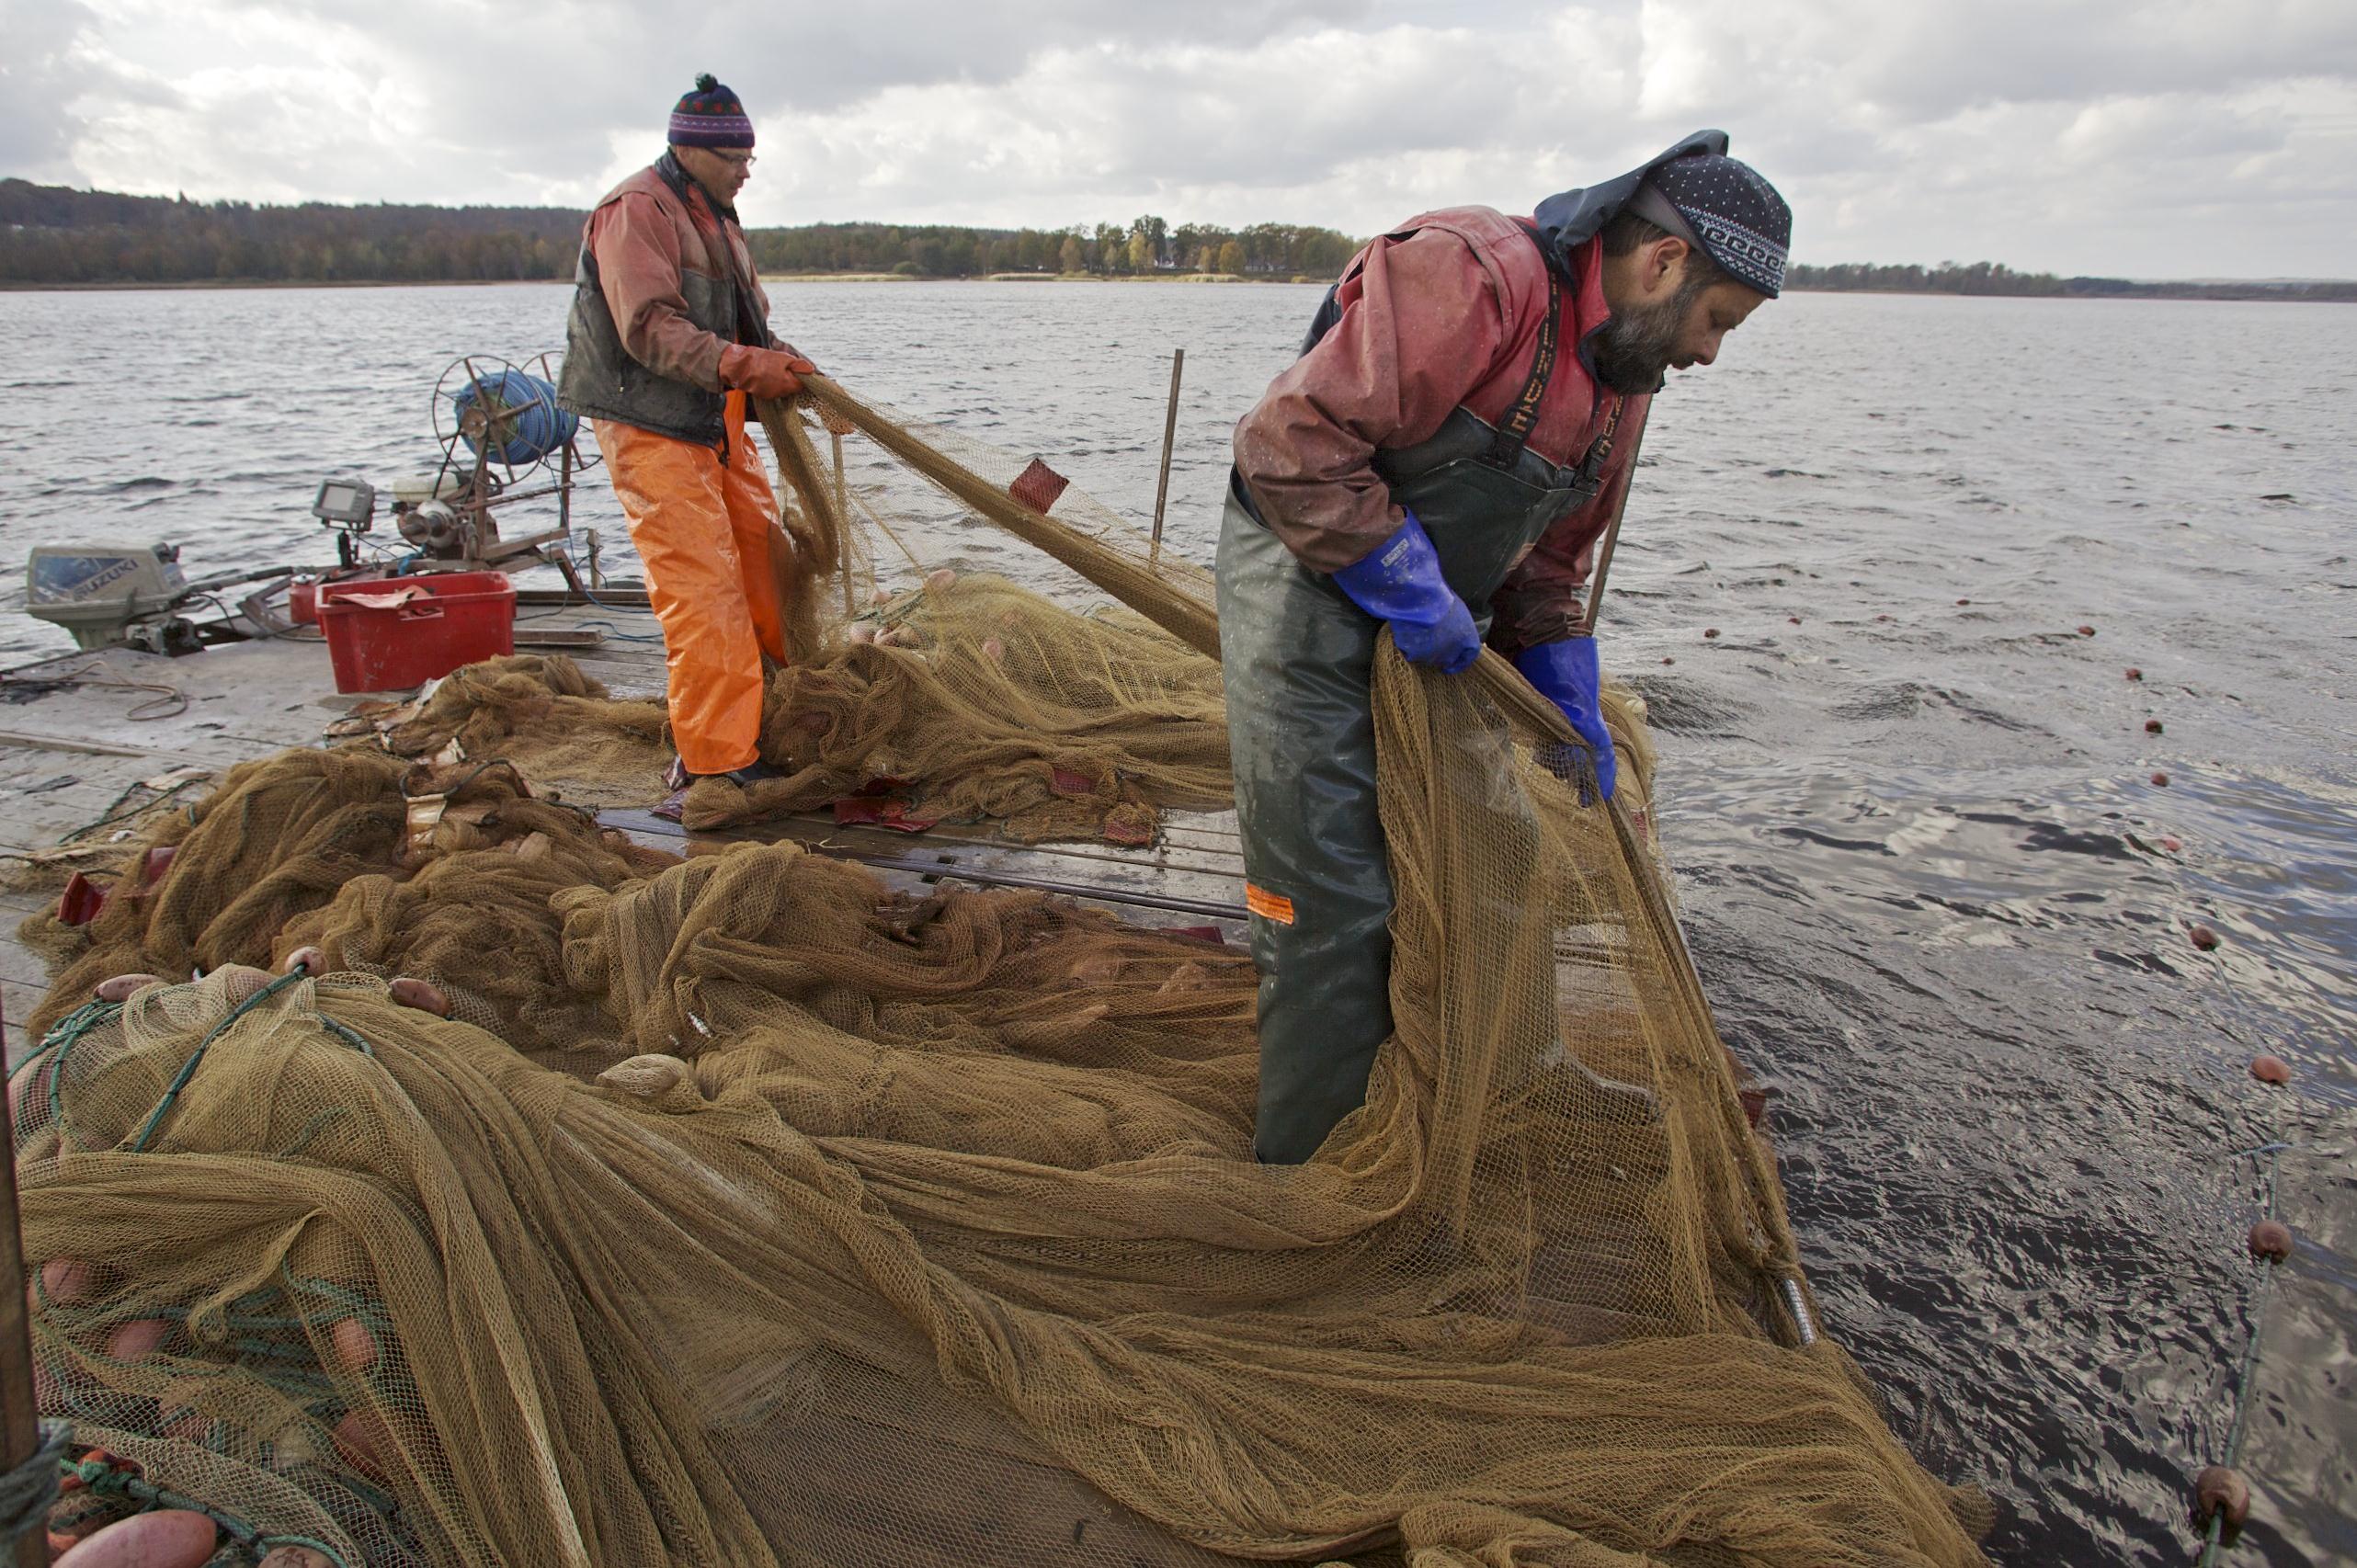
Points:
[(1447, 315)]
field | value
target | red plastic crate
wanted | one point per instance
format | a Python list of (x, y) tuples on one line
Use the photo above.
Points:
[(391, 633)]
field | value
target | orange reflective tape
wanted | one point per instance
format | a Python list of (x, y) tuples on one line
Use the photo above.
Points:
[(1267, 905)]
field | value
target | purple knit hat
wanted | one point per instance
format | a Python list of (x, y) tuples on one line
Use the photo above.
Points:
[(709, 117)]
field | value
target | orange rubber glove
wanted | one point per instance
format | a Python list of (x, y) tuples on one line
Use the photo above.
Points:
[(764, 373)]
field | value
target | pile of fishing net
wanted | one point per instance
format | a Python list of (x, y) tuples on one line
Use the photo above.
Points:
[(965, 699), (507, 1192)]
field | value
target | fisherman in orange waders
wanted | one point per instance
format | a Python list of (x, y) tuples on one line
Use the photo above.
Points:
[(669, 334)]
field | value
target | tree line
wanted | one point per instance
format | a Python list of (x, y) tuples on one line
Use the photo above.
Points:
[(1995, 277), (53, 235), (1142, 246)]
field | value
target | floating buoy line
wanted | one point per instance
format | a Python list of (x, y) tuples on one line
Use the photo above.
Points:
[(2221, 1493), (2221, 1502)]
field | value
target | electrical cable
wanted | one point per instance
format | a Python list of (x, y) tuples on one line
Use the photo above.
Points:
[(88, 676)]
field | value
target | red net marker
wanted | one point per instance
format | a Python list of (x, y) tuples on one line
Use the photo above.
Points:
[(80, 902), (152, 868), (1038, 486)]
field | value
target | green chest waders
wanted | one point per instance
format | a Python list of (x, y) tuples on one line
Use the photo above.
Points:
[(1297, 655)]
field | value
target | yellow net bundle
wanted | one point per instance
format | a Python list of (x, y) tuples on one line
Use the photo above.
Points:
[(743, 1209)]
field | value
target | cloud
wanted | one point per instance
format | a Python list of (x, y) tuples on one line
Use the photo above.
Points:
[(39, 79), (2151, 139)]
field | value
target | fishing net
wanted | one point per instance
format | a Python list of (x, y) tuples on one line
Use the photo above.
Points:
[(573, 1203), (967, 699)]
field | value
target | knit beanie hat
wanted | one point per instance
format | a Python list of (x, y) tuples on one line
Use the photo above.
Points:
[(709, 117)]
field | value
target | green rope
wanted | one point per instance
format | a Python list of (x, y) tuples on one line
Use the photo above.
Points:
[(101, 1476), (61, 1039), (347, 1033), (74, 1026), (188, 1068)]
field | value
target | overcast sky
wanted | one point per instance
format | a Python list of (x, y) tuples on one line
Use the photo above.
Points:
[(2149, 138)]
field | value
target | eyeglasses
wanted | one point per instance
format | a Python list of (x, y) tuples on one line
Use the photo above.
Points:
[(737, 160)]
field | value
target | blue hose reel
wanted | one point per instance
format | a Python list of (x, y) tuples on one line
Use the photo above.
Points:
[(513, 413)]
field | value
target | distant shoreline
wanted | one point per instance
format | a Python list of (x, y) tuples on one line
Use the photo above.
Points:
[(2183, 293), (1212, 278), (187, 283), (2196, 293), (56, 238), (120, 287)]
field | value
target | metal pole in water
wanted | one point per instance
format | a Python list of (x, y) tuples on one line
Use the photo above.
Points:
[(1170, 437)]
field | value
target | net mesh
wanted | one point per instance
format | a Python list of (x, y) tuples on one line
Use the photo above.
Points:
[(576, 1203)]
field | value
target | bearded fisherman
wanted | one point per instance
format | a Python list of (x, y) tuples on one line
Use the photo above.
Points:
[(1439, 463), (669, 335)]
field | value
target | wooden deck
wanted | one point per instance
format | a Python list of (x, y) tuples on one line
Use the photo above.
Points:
[(74, 751)]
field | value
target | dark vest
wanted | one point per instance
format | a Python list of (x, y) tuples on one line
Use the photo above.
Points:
[(600, 381)]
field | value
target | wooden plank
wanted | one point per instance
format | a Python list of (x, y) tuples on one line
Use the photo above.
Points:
[(17, 1003), (628, 681), (13, 739), (35, 818), (24, 973), (1127, 890), (620, 597), (559, 639), (1182, 827), (20, 965), (235, 696), (1224, 864), (1107, 864)]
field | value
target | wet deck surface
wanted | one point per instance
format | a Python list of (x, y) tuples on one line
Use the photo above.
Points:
[(86, 737)]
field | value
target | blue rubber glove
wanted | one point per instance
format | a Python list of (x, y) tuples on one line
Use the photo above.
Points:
[(1565, 674), (1399, 581)]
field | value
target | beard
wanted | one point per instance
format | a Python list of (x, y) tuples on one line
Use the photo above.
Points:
[(1632, 349)]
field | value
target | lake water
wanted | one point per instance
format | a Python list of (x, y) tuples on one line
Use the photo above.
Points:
[(1913, 834)]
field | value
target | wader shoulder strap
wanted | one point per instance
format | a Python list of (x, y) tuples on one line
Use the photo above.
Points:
[(1514, 430), (1599, 450)]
